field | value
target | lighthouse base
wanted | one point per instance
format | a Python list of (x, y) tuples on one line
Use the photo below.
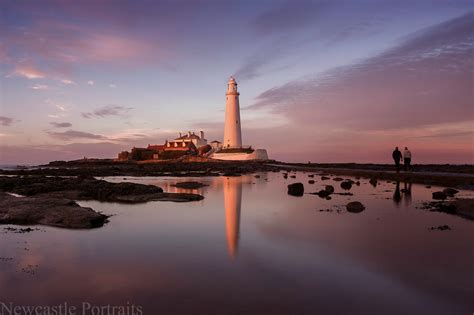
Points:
[(257, 154)]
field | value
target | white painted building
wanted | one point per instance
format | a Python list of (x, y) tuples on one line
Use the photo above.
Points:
[(232, 130), (182, 140), (232, 148)]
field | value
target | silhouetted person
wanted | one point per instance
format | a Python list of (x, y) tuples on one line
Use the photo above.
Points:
[(407, 159), (397, 197), (397, 157)]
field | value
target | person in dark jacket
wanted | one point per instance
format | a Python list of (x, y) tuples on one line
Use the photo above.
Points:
[(397, 157)]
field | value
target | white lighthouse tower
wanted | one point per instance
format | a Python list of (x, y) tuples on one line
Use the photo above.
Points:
[(232, 148), (232, 131)]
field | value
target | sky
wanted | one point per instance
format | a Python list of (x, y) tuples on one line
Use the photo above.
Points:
[(319, 81)]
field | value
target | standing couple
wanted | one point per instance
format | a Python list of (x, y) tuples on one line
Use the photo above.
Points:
[(397, 157)]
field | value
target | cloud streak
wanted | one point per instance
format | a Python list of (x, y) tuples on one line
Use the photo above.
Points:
[(5, 121), (74, 134), (60, 125), (107, 111)]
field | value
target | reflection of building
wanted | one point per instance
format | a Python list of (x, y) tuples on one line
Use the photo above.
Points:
[(232, 203)]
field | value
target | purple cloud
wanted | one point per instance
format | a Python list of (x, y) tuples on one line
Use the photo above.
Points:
[(60, 125), (427, 79), (109, 110), (5, 121), (74, 134)]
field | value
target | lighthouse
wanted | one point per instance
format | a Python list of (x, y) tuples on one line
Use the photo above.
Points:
[(232, 131), (231, 148)]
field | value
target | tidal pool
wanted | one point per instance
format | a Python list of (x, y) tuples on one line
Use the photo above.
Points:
[(249, 248)]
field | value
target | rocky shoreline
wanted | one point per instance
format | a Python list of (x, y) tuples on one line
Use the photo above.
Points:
[(102, 168), (461, 176), (51, 200)]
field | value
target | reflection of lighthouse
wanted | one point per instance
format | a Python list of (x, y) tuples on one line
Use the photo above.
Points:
[(232, 131), (232, 201)]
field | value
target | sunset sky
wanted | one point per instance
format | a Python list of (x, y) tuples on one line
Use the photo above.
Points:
[(320, 81)]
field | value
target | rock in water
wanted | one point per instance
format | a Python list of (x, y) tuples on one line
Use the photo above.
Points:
[(347, 185), (322, 194), (439, 195), (355, 207), (45, 210), (329, 189), (441, 227), (338, 179), (190, 185), (450, 191), (311, 181), (325, 178), (296, 189), (373, 182)]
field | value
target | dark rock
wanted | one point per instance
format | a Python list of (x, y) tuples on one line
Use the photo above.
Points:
[(439, 195), (338, 179), (293, 176), (86, 188), (347, 185), (45, 210), (428, 186), (373, 181), (191, 185), (322, 193), (311, 175), (440, 227), (325, 178), (329, 189), (328, 198), (311, 181), (463, 207), (357, 183), (257, 176), (355, 207), (296, 189), (450, 191)]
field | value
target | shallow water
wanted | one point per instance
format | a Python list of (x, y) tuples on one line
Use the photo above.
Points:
[(249, 248)]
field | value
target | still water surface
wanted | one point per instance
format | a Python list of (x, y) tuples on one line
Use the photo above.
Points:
[(249, 248)]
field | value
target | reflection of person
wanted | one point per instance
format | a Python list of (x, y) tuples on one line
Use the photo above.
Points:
[(406, 159), (397, 157), (407, 193), (397, 197)]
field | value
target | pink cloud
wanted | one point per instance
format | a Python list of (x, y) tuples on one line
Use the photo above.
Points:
[(59, 46), (28, 70)]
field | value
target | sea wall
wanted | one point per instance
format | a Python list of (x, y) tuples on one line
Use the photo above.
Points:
[(258, 154)]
